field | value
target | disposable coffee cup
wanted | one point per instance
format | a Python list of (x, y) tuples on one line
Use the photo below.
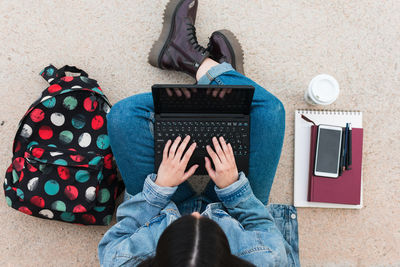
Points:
[(322, 90)]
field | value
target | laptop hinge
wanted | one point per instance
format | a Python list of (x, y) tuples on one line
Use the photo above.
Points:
[(199, 115)]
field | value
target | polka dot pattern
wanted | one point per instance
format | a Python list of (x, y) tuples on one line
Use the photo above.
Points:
[(64, 135)]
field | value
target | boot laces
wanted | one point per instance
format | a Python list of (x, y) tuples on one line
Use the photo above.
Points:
[(193, 38)]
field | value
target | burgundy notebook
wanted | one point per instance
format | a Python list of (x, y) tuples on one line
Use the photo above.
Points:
[(345, 189)]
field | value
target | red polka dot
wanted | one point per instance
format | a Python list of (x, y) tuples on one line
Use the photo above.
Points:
[(31, 168), (28, 111), (72, 149), (25, 210), (18, 163), (37, 201), (111, 179), (89, 218), (115, 192), (10, 168), (67, 78), (79, 209), (45, 132), (100, 88), (37, 152), (37, 115), (108, 161), (89, 104), (77, 158), (54, 88), (21, 176), (17, 146), (71, 192), (97, 122), (63, 172)]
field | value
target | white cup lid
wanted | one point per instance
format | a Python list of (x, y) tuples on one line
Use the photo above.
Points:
[(324, 89)]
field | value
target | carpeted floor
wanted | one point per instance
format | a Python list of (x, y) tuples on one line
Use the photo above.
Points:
[(286, 44)]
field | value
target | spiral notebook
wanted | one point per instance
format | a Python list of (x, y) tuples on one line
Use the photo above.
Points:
[(302, 151)]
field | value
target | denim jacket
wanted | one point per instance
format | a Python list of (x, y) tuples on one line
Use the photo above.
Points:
[(264, 236)]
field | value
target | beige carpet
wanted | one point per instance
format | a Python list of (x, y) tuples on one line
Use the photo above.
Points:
[(286, 43)]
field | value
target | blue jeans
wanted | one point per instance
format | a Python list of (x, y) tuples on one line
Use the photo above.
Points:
[(130, 128)]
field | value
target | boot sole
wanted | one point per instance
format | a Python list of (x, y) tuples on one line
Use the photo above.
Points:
[(235, 48), (160, 45)]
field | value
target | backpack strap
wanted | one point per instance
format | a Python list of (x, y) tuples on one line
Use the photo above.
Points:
[(73, 69), (51, 73)]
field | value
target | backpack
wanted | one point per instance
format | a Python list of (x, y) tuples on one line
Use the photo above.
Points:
[(62, 166)]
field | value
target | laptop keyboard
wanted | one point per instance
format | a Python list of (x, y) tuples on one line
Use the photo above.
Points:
[(201, 132)]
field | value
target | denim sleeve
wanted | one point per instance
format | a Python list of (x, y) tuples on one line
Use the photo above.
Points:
[(241, 203), (133, 213)]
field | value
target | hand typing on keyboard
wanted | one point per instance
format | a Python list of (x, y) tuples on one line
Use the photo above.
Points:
[(172, 169), (225, 172)]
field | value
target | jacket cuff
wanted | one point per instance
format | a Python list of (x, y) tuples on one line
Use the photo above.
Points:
[(157, 195), (237, 192)]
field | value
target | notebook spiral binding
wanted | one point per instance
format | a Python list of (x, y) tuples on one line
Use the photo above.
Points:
[(330, 112)]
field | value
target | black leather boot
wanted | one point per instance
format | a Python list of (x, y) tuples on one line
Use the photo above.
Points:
[(177, 47), (225, 47)]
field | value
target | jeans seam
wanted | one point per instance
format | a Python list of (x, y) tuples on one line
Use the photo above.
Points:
[(151, 123)]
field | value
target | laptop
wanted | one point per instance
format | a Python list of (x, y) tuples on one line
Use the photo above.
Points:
[(203, 111)]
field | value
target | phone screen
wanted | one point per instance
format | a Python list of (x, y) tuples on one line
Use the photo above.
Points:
[(328, 150)]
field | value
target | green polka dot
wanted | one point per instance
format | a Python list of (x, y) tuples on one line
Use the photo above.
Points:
[(103, 141), (82, 176), (97, 90), (99, 208), (85, 79), (8, 201), (103, 195), (51, 187), (65, 91), (100, 176), (42, 167), (66, 137), (67, 216), (15, 176), (61, 162), (52, 145), (58, 205), (20, 193), (49, 103), (107, 219), (78, 121), (95, 160), (31, 144), (8, 188), (70, 102)]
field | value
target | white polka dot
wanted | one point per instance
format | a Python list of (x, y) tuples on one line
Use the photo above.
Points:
[(57, 119), (45, 98), (90, 193), (106, 108), (26, 131), (54, 154), (84, 140), (76, 87), (5, 181), (33, 183), (47, 213)]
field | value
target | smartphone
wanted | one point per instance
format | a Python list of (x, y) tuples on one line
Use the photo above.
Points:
[(327, 154)]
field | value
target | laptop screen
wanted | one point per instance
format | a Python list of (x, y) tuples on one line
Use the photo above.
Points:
[(216, 99)]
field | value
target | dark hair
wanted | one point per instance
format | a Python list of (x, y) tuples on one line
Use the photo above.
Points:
[(193, 242)]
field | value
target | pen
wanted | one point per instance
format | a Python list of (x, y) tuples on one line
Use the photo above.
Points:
[(349, 155), (345, 147)]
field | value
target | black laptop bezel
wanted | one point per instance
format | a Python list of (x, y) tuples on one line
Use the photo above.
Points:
[(157, 87)]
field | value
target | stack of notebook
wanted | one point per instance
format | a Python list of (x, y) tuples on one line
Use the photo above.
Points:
[(315, 191)]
